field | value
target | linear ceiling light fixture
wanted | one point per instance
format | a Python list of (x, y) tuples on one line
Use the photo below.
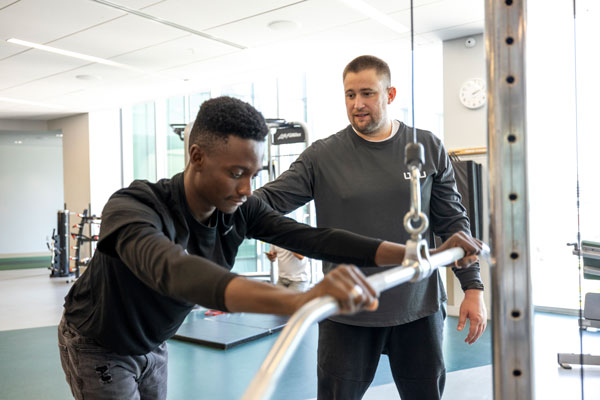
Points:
[(86, 57), (29, 103), (168, 23), (375, 14)]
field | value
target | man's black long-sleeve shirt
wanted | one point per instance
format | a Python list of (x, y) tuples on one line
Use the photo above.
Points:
[(154, 261), (364, 187)]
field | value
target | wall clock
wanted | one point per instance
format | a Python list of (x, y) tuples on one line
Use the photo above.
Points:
[(472, 93)]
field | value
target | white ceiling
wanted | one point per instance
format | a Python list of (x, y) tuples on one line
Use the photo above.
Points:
[(177, 60)]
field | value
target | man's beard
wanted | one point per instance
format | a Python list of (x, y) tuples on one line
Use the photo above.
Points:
[(371, 128)]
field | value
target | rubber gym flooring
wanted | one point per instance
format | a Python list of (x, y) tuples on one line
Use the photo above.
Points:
[(30, 367), (30, 305)]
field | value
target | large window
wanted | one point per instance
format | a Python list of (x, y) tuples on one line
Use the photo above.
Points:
[(144, 141), (552, 148), (195, 102), (159, 153), (242, 91), (175, 154)]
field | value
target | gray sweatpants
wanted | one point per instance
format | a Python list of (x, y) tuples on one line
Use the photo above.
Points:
[(94, 372)]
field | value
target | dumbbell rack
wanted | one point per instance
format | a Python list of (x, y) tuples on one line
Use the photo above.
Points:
[(59, 246), (81, 239)]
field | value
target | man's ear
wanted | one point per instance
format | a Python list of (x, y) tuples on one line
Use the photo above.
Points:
[(391, 94), (197, 156)]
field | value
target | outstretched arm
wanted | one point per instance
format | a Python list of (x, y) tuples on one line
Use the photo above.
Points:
[(245, 295)]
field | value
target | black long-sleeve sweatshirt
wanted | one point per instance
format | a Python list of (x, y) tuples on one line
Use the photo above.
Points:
[(154, 261)]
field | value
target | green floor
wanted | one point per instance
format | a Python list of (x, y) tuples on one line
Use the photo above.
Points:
[(30, 366)]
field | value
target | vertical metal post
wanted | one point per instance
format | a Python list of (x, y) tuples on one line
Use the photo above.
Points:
[(273, 269), (511, 284)]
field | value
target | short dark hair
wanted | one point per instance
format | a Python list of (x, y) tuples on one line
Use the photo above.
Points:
[(223, 116), (361, 63)]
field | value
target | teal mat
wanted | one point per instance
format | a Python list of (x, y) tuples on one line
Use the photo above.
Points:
[(30, 367)]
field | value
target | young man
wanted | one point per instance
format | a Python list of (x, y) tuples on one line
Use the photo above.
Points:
[(359, 182), (168, 245)]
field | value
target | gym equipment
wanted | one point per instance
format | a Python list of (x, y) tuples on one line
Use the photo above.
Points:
[(59, 246), (81, 239), (286, 140), (183, 131), (469, 185), (512, 307), (590, 254)]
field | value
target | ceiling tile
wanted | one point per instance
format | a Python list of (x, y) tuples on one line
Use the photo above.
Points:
[(173, 53), (119, 36), (390, 6), (25, 111), (453, 32), (43, 21), (442, 15), (311, 17), (6, 3), (201, 15), (34, 64), (136, 4), (66, 82)]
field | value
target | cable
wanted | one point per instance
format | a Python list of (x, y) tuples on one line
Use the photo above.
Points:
[(412, 71), (579, 254)]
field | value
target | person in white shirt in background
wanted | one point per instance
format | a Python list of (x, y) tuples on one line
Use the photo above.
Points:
[(293, 268)]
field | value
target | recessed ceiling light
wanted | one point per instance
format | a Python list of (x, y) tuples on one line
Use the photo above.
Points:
[(284, 26), (18, 142)]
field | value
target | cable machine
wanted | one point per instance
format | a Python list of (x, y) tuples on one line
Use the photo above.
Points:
[(286, 140)]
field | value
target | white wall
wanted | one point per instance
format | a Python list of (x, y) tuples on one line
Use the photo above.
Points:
[(105, 156), (31, 178), (465, 128)]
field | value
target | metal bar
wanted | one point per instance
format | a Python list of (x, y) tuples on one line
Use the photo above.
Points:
[(511, 279), (318, 309), (566, 359), (264, 382)]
